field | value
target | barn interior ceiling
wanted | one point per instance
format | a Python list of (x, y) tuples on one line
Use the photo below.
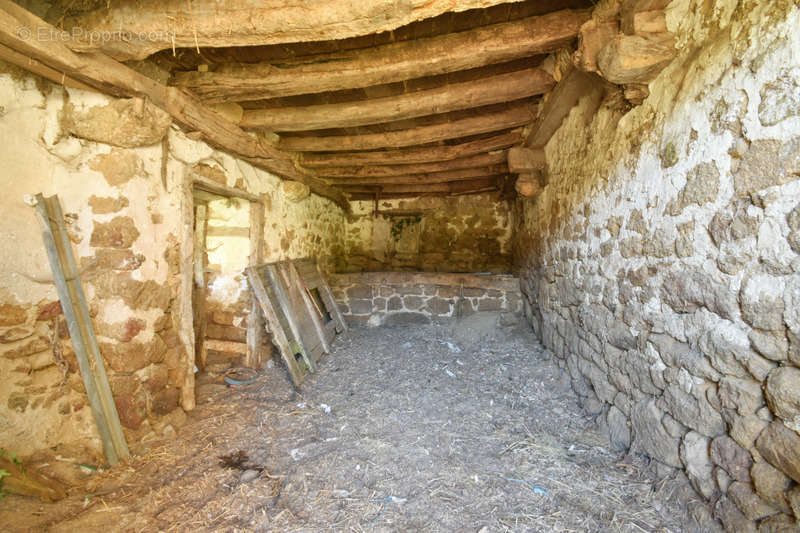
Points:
[(360, 101)]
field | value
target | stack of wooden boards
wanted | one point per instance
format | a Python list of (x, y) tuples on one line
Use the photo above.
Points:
[(300, 312)]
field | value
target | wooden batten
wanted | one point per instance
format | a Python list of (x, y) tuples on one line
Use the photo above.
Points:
[(408, 156), (454, 97), (431, 177), (30, 64), (438, 188), (379, 65), (516, 115), (66, 277), (377, 171)]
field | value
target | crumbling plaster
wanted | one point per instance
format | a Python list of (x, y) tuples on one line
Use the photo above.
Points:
[(661, 267), (129, 215)]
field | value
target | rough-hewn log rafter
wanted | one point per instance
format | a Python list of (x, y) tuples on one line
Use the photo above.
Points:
[(480, 160), (573, 85), (422, 178), (526, 159), (152, 25), (441, 188), (111, 77), (405, 156), (455, 97), (23, 61), (388, 63), (515, 115)]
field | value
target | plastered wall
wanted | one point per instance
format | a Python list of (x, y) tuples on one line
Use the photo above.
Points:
[(661, 265), (452, 234), (123, 174)]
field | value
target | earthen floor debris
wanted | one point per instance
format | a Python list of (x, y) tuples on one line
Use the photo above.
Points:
[(402, 429)]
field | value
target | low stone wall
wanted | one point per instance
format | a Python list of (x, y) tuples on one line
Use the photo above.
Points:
[(400, 298)]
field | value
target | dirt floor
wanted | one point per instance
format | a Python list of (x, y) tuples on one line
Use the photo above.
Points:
[(398, 431)]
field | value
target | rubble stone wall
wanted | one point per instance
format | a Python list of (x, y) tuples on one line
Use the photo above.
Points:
[(404, 298), (451, 234), (123, 174), (660, 265)]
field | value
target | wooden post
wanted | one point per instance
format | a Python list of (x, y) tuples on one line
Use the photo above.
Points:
[(199, 292), (255, 321), (76, 312)]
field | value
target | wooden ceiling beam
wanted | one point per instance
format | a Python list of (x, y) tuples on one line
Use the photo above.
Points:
[(388, 63), (147, 26), (454, 97), (111, 77), (442, 188), (430, 177), (480, 160), (574, 84), (408, 156), (526, 159), (516, 115), (370, 196), (31, 65)]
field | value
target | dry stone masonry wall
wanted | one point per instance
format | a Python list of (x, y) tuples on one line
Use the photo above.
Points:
[(123, 175), (661, 263), (405, 298), (450, 234)]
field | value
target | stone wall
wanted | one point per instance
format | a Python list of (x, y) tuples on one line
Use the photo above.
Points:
[(451, 234), (661, 267), (403, 298), (123, 174)]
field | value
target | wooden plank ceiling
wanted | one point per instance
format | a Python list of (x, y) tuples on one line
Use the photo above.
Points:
[(431, 107)]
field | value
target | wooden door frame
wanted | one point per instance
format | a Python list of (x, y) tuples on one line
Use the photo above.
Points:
[(256, 331)]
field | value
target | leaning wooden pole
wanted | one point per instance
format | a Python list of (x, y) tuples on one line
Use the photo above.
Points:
[(84, 342)]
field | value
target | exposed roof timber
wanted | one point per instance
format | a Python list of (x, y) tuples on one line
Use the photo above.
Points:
[(493, 158), (573, 85), (111, 77), (7, 54), (455, 97), (424, 178), (441, 188), (285, 53), (388, 63), (153, 25), (514, 115), (371, 196), (526, 159), (423, 154)]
